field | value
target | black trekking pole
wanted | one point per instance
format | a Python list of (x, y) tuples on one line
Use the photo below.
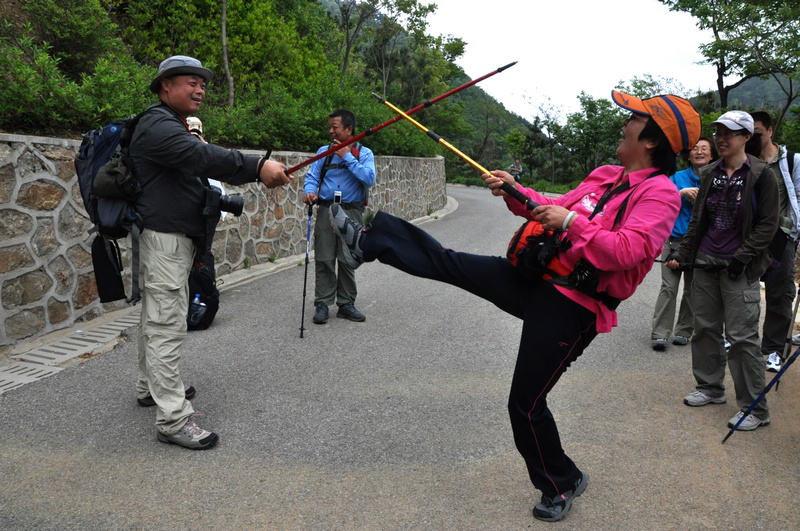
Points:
[(395, 119), (705, 267), (763, 393), (788, 346), (305, 276), (507, 188)]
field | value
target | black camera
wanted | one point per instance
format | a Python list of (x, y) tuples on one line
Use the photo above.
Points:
[(217, 202)]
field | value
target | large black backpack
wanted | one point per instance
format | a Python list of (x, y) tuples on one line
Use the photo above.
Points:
[(112, 213)]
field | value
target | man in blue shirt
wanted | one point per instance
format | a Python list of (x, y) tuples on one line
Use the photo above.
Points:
[(344, 177)]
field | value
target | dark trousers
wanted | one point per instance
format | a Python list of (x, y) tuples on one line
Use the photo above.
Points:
[(555, 332), (779, 292)]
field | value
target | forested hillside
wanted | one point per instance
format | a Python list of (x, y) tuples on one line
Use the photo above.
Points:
[(67, 66)]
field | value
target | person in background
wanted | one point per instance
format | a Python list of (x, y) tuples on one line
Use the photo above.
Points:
[(344, 178), (688, 183), (616, 222), (779, 286), (734, 219), (515, 170), (204, 251)]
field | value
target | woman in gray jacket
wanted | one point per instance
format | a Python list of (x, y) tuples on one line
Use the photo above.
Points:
[(733, 222)]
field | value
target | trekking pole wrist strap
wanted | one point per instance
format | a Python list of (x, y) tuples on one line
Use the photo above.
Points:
[(260, 165)]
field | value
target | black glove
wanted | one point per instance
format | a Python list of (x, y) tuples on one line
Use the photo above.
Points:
[(735, 268), (678, 257)]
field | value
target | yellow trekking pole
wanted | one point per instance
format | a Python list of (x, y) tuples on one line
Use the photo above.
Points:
[(507, 188)]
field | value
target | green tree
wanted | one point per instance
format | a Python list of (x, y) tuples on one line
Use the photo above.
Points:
[(591, 135), (354, 15), (751, 38), (78, 32)]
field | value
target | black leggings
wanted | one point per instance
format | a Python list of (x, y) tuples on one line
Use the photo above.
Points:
[(555, 332)]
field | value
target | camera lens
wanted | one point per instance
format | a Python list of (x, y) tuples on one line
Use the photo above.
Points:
[(232, 203)]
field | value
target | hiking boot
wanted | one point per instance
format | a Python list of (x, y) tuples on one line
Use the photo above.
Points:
[(190, 436), (149, 402), (699, 398), (750, 422), (774, 362), (796, 339), (349, 311), (659, 344), (680, 341), (349, 231), (321, 315), (556, 508)]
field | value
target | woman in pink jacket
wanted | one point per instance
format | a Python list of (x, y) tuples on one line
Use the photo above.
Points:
[(616, 222)]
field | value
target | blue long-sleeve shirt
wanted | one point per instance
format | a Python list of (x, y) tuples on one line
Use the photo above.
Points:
[(684, 179), (351, 180)]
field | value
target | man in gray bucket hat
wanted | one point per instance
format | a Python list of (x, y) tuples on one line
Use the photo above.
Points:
[(179, 65), (173, 207)]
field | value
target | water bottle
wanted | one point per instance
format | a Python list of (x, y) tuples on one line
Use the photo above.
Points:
[(197, 309)]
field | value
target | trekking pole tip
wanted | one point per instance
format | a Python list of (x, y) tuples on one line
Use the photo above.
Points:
[(379, 98), (509, 65), (727, 436)]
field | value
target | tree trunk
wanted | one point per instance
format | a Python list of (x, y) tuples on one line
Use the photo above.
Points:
[(228, 75)]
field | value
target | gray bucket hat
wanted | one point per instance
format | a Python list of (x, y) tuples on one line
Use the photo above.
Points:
[(177, 65)]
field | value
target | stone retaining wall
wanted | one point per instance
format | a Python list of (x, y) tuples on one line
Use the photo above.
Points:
[(46, 277)]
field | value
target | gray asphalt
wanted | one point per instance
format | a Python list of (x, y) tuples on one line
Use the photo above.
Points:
[(396, 423)]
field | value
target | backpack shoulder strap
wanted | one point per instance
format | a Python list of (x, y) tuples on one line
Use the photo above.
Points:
[(790, 161), (326, 164)]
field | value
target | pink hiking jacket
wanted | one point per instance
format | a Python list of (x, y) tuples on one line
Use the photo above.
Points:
[(625, 254)]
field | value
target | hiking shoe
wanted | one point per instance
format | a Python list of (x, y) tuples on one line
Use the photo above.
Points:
[(190, 436), (659, 344), (774, 362), (321, 315), (552, 509), (796, 339), (750, 422), (349, 231), (680, 340), (149, 402), (349, 311), (699, 398)]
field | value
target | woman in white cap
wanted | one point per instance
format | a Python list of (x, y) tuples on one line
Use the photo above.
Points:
[(734, 219)]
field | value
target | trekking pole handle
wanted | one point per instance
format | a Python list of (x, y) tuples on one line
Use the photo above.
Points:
[(519, 196)]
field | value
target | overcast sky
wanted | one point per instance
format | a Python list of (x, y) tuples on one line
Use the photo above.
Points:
[(564, 47)]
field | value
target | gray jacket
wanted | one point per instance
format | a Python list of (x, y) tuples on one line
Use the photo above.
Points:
[(167, 160), (759, 224)]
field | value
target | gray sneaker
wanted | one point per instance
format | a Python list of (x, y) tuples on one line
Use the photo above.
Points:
[(701, 399), (349, 231), (321, 315), (750, 422), (190, 436), (659, 344), (680, 340), (148, 401), (349, 311), (556, 508), (774, 362)]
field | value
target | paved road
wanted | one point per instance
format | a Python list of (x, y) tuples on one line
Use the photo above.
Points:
[(396, 423)]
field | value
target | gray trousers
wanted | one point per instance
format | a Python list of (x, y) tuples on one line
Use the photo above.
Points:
[(331, 286), (666, 302), (779, 292), (734, 306), (165, 261)]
